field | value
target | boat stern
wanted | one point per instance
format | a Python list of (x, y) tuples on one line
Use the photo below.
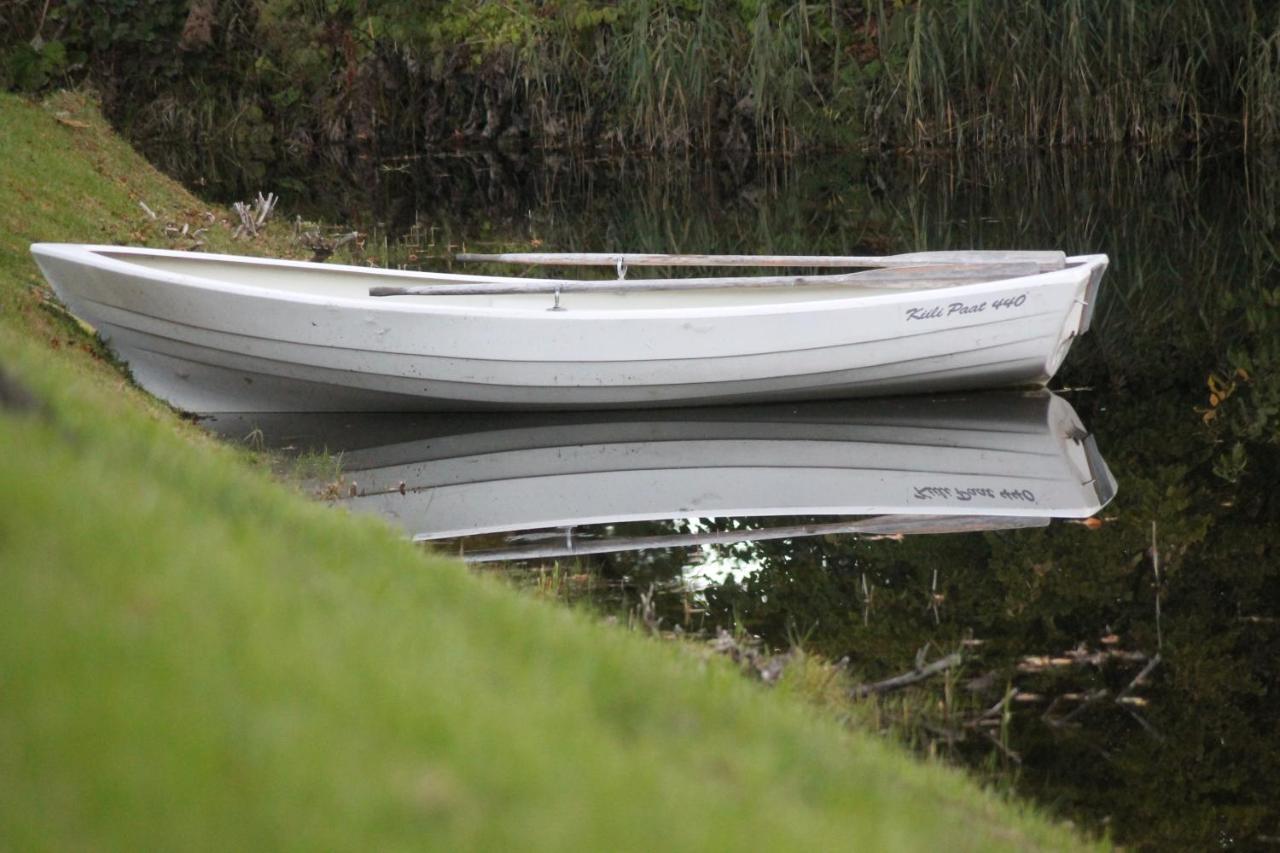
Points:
[(1097, 265), (1090, 269)]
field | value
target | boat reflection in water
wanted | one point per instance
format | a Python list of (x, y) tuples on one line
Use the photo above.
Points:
[(986, 461)]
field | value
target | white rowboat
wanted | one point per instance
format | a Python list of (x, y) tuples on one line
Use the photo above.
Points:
[(220, 333)]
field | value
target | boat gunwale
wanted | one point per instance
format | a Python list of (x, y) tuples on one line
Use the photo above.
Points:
[(107, 257)]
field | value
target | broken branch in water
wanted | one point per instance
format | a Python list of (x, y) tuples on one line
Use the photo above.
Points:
[(920, 673), (748, 654), (998, 710), (1090, 698), (1076, 657)]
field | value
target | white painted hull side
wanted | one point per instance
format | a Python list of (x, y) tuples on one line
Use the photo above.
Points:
[(1012, 455), (220, 333)]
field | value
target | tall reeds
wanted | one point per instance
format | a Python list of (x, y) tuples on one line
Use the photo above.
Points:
[(788, 76), (711, 78), (1001, 73), (299, 80)]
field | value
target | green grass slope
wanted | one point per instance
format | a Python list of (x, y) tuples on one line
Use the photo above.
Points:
[(193, 656)]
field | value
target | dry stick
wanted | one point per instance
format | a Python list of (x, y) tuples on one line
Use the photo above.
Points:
[(1150, 729), (933, 597), (44, 13), (253, 216), (866, 601), (998, 708), (1094, 696), (247, 224), (1048, 715), (264, 205), (902, 278), (1139, 678), (1155, 564), (951, 736), (907, 678), (1044, 261), (1133, 685), (1012, 756), (1090, 698), (1040, 663)]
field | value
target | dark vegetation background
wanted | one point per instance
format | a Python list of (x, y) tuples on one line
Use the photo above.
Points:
[(1178, 379), (221, 90)]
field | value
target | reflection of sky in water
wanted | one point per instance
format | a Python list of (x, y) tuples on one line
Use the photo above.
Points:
[(708, 566)]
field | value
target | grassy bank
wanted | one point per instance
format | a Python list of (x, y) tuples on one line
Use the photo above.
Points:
[(194, 656)]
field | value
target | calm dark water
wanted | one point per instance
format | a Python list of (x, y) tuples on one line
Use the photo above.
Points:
[(1178, 382)]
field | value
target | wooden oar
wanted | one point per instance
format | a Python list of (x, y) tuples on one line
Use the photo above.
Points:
[(1046, 261), (903, 278)]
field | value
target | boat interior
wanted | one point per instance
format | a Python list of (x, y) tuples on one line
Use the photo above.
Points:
[(345, 282)]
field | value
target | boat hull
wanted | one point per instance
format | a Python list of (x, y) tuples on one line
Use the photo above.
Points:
[(226, 339)]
